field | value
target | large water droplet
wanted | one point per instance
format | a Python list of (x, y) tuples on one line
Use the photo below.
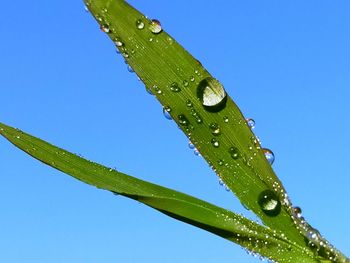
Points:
[(166, 112), (155, 27), (251, 123), (234, 153), (269, 155), (212, 94), (140, 24), (269, 203)]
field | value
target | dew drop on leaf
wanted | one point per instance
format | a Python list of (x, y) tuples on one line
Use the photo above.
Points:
[(297, 211), (215, 142), (191, 145), (269, 155), (269, 203), (234, 153), (174, 87), (130, 69), (166, 112), (212, 94), (155, 27), (183, 120), (140, 24), (105, 28), (214, 129), (251, 123)]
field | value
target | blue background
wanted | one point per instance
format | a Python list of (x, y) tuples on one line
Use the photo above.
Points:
[(285, 63)]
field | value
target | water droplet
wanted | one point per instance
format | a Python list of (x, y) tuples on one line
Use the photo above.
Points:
[(196, 115), (156, 89), (191, 78), (185, 82), (155, 27), (183, 120), (196, 152), (269, 155), (140, 24), (117, 42), (166, 112), (297, 211), (215, 129), (212, 94), (86, 8), (189, 103), (174, 87), (105, 28), (191, 145), (226, 119), (234, 153), (130, 69), (251, 123), (215, 142), (269, 203)]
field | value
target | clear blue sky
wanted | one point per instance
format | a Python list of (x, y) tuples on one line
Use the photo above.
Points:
[(285, 63)]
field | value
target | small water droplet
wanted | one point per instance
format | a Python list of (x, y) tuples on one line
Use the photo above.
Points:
[(215, 142), (191, 78), (226, 119), (183, 120), (166, 112), (140, 24), (215, 129), (130, 69), (155, 27), (234, 153), (191, 145), (174, 87), (269, 155), (212, 94), (189, 103), (185, 83), (105, 28), (156, 89), (297, 211), (196, 152), (269, 203), (251, 123), (118, 42), (86, 8)]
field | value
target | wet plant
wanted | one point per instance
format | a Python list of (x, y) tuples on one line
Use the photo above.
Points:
[(217, 129)]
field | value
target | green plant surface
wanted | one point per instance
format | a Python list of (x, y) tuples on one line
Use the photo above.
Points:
[(224, 223), (200, 106), (220, 133)]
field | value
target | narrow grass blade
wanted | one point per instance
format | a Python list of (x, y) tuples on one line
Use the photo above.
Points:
[(207, 115), (201, 107), (256, 238)]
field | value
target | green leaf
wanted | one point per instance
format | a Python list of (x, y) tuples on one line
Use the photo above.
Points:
[(219, 132), (257, 238), (207, 115)]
